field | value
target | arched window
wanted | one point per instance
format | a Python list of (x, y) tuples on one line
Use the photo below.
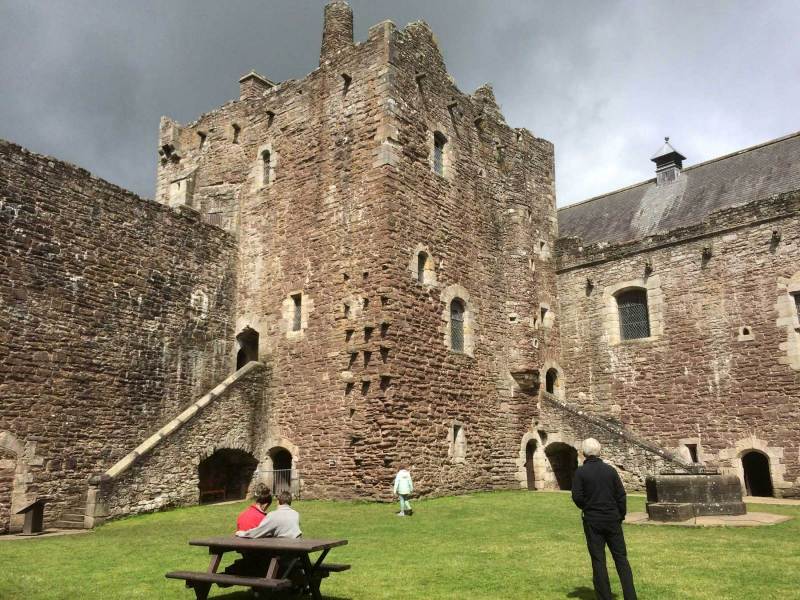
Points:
[(551, 381), (634, 319), (439, 141), (422, 259), (457, 325)]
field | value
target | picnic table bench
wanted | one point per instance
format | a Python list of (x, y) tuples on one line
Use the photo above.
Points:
[(281, 564)]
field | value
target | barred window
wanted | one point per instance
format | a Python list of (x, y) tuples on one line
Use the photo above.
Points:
[(634, 320), (438, 152), (298, 311), (457, 325)]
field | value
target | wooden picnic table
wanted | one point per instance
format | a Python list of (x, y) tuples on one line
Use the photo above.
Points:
[(282, 564)]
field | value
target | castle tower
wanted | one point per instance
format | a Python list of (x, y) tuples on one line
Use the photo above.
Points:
[(394, 259)]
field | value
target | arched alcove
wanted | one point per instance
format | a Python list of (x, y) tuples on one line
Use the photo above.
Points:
[(280, 478), (248, 347), (563, 460), (757, 477), (225, 475), (8, 466)]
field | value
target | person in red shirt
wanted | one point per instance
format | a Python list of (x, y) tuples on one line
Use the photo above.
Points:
[(255, 513)]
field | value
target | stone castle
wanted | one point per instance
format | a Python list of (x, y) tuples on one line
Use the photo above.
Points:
[(365, 269)]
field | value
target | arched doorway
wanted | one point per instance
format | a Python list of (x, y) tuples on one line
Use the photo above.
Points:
[(226, 475), (281, 477), (530, 450), (757, 479), (248, 347), (563, 460), (8, 466)]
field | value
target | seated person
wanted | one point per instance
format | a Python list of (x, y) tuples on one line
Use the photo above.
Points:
[(283, 522), (255, 513)]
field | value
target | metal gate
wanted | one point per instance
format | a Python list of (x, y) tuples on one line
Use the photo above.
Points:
[(280, 480)]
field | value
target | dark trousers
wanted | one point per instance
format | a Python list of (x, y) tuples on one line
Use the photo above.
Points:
[(598, 535)]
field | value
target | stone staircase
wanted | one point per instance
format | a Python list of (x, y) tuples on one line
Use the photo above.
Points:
[(74, 516)]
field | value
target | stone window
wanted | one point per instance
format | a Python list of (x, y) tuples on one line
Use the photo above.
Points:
[(422, 258), (346, 81), (422, 266), (295, 310), (796, 298), (458, 442), (634, 310), (198, 302), (459, 318), (297, 299), (235, 131), (634, 318), (457, 310), (266, 167), (551, 381), (439, 143)]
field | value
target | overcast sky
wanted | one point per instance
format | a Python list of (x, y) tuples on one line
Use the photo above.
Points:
[(86, 81)]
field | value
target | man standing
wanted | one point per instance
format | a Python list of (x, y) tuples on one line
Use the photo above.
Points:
[(598, 492), (403, 486)]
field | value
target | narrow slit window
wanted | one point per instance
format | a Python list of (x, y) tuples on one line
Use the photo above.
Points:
[(551, 381), (297, 299), (634, 319), (266, 164), (457, 325), (422, 258), (236, 131), (439, 142)]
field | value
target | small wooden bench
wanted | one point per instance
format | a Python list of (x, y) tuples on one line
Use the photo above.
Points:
[(201, 582)]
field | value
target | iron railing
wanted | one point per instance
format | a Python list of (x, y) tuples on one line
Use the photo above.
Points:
[(280, 480)]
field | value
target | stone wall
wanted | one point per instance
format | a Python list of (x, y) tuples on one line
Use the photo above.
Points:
[(720, 368), (114, 311), (168, 475), (486, 223)]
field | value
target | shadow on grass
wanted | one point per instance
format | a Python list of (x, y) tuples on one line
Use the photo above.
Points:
[(585, 593), (248, 595)]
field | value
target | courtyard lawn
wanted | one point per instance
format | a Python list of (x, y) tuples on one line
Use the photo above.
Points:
[(501, 545)]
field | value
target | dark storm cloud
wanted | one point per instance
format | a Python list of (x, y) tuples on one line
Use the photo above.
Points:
[(87, 81)]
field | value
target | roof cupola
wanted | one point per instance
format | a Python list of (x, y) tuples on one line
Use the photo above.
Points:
[(669, 163)]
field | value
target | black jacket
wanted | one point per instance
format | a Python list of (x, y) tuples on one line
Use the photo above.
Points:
[(598, 492)]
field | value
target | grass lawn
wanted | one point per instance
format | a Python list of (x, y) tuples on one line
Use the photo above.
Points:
[(500, 545)]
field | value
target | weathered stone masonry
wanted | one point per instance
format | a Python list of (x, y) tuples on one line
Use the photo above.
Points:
[(362, 270), (114, 311)]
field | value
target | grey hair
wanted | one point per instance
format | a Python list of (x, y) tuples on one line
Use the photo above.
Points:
[(591, 447)]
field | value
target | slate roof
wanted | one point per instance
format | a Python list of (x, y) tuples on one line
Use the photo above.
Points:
[(646, 209)]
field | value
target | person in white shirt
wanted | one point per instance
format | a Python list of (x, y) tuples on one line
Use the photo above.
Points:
[(283, 522), (403, 487)]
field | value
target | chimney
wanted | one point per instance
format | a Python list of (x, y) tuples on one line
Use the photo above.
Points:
[(669, 163), (337, 31)]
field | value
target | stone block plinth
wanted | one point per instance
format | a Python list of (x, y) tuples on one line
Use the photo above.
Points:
[(678, 497)]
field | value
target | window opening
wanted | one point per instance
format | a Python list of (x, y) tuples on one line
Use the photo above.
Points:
[(236, 130), (551, 381), (457, 325), (634, 320), (422, 258), (797, 304), (346, 81), (266, 162), (298, 311), (439, 142), (692, 448)]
